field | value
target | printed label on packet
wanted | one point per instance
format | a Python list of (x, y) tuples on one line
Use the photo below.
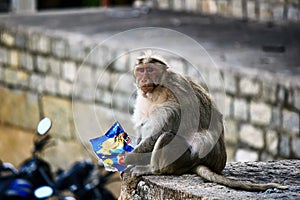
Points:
[(112, 146)]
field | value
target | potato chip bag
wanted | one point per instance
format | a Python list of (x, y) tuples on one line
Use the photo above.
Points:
[(112, 146)]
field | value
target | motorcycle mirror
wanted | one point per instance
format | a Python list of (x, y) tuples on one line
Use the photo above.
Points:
[(43, 192), (44, 126)]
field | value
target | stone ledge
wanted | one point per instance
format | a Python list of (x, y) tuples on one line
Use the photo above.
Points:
[(285, 172)]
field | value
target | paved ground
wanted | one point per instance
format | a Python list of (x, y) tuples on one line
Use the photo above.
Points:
[(230, 42)]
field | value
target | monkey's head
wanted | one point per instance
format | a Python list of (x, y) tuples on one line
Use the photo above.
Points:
[(149, 71)]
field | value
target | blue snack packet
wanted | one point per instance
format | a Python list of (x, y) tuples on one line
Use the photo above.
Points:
[(111, 147)]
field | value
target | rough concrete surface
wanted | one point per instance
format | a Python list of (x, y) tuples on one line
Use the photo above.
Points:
[(285, 172)]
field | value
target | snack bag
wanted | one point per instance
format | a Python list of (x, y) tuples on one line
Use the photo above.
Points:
[(111, 148)]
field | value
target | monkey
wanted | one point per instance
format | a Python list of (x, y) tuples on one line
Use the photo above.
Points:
[(180, 129), (157, 118)]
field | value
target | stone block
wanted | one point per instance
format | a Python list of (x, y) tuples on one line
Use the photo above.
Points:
[(3, 55), (7, 39), (290, 121), (266, 157), (2, 78), (178, 5), (249, 87), (230, 82), (212, 7), (237, 8), (244, 155), (252, 136), (26, 61), (121, 62), (13, 58), (85, 76), (231, 132), (99, 57), (293, 14), (278, 11), (16, 144), (224, 7), (123, 83), (55, 67), (18, 108), (77, 50), (163, 4), (37, 82), (281, 94), (228, 110), (269, 90), (260, 113), (42, 64), (120, 101), (20, 40), (104, 96), (51, 84), (272, 142), (84, 92), (103, 78), (240, 109), (251, 9), (59, 47), (69, 71), (296, 98), (32, 41), (60, 112), (44, 44), (65, 88), (284, 146), (265, 11), (276, 117), (191, 5), (16, 77), (215, 80), (296, 147)]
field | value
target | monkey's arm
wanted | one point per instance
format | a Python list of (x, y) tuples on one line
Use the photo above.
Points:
[(160, 120)]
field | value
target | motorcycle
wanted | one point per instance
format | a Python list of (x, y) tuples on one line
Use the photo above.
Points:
[(34, 179), (85, 182)]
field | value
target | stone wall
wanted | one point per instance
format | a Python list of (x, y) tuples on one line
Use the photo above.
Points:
[(278, 11), (84, 90)]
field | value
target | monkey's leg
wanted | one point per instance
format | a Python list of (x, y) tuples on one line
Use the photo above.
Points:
[(171, 155), (141, 155)]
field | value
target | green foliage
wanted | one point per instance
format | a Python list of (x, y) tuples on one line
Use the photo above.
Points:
[(91, 3)]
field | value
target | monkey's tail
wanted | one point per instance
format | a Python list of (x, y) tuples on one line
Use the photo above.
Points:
[(211, 176)]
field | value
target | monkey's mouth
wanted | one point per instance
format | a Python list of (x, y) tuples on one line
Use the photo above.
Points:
[(148, 88)]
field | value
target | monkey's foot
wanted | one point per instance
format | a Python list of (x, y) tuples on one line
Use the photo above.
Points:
[(141, 170)]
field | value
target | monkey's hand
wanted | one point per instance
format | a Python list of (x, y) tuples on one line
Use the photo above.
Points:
[(134, 158), (140, 170)]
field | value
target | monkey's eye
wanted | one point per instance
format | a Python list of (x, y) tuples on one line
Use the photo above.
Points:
[(140, 70), (149, 69)]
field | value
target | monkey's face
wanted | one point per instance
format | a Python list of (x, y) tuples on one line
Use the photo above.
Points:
[(148, 77)]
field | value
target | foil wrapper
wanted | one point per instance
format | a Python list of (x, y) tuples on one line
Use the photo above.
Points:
[(111, 148)]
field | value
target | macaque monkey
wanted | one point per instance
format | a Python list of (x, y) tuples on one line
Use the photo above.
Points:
[(180, 129)]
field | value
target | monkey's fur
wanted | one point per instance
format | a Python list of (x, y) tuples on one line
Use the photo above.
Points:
[(180, 128)]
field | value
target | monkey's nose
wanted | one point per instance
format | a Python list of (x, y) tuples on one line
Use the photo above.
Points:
[(145, 80)]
